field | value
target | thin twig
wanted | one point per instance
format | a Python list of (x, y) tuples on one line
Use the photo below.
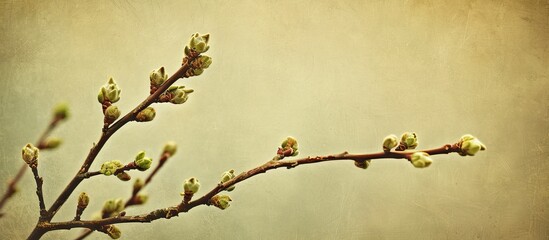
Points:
[(12, 185), (272, 164), (39, 182), (163, 158), (39, 230), (132, 200)]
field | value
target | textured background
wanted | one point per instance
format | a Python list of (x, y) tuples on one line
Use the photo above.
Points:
[(337, 75)]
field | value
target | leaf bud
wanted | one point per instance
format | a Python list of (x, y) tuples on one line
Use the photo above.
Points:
[(30, 154), (146, 115), (221, 201)]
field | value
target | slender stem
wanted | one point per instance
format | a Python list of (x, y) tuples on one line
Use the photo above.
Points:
[(163, 158), (273, 164), (12, 185), (131, 201), (107, 134), (39, 182), (204, 200)]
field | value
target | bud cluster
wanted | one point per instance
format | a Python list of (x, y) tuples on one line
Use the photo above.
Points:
[(109, 94), (142, 162), (109, 168)]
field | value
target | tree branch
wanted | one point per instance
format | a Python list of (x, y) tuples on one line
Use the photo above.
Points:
[(132, 200), (272, 164), (12, 185), (181, 73), (163, 158)]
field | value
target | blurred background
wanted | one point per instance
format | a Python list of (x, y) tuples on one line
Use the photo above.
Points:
[(337, 75)]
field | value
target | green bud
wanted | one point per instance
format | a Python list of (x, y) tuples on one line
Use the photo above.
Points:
[(61, 111), (180, 94), (112, 113), (83, 200), (109, 92), (199, 43), (409, 139), (143, 163), (200, 64), (141, 198), (228, 175), (113, 206), (108, 168), (198, 71), (158, 77), (363, 164), (191, 186), (113, 232), (288, 148), (109, 206), (170, 148), (290, 142), (138, 184), (390, 142), (204, 61), (420, 159), (30, 154), (52, 142), (124, 176), (470, 145), (146, 115), (221, 201)]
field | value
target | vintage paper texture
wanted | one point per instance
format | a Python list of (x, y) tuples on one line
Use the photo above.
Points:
[(337, 75)]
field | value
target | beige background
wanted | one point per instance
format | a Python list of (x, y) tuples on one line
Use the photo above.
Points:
[(337, 75)]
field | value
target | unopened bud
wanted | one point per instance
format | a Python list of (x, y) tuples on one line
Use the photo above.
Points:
[(390, 142), (113, 206), (112, 113), (228, 175), (146, 115), (30, 154), (113, 232), (108, 168), (61, 111), (470, 145), (197, 44), (158, 77), (179, 94), (83, 200), (191, 186), (288, 148), (420, 160), (204, 61), (363, 164), (109, 92), (141, 198), (409, 139), (138, 184), (142, 162), (52, 142), (221, 201), (124, 176), (170, 148)]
